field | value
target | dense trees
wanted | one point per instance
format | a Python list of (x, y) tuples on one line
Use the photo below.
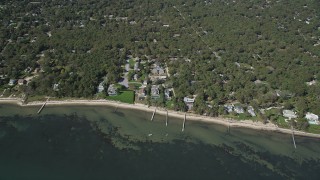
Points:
[(264, 52)]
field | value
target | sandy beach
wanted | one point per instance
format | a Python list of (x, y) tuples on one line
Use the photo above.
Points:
[(192, 117)]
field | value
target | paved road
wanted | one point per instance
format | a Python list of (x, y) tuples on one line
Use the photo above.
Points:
[(125, 81)]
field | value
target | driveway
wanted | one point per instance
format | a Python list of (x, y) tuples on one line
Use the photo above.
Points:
[(124, 80)]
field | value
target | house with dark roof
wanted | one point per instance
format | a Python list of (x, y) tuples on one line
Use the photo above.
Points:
[(168, 93), (141, 94), (155, 92)]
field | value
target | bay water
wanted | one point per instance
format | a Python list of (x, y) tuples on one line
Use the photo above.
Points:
[(97, 142)]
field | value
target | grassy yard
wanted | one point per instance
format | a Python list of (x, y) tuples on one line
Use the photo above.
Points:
[(314, 129), (169, 104), (134, 85), (123, 96), (282, 123), (131, 63), (36, 98)]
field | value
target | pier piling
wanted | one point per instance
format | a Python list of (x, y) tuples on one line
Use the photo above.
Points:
[(167, 119), (294, 142), (184, 122), (116, 108), (154, 112)]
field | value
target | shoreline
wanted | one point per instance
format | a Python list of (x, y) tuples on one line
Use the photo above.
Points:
[(176, 114)]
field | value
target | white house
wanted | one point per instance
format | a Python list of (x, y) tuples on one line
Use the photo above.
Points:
[(101, 87), (289, 114), (12, 82), (251, 111), (312, 118), (188, 100), (238, 109), (112, 90), (136, 66), (56, 87), (135, 77)]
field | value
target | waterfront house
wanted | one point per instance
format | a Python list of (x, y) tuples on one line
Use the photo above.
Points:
[(189, 102), (312, 118), (238, 109), (289, 114), (228, 108), (141, 94), (101, 87), (167, 93), (251, 111), (155, 93), (112, 90)]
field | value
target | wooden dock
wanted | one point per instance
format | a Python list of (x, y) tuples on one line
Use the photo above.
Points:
[(154, 112), (294, 142), (167, 119), (184, 122), (41, 108)]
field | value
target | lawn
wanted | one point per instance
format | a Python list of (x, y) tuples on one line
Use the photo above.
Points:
[(123, 96), (131, 63), (282, 122), (314, 129), (36, 98), (134, 85), (169, 104)]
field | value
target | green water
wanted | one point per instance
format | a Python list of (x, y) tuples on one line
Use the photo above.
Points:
[(93, 142)]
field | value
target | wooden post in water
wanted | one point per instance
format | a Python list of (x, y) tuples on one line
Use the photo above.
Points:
[(115, 109), (44, 104), (154, 112), (294, 142), (184, 122), (167, 119)]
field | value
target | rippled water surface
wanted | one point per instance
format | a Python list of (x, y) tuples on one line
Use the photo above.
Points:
[(94, 142)]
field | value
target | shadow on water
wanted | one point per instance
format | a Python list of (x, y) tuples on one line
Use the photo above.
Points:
[(118, 113)]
